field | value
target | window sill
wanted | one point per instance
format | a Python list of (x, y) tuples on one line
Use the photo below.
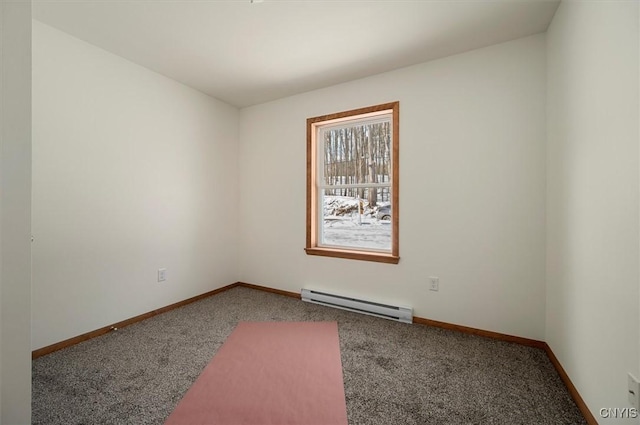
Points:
[(354, 255)]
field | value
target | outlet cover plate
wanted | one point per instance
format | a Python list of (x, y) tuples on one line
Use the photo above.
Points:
[(434, 283), (162, 275), (634, 391)]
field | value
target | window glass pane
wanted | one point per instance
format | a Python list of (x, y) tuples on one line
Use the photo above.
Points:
[(353, 222), (355, 154)]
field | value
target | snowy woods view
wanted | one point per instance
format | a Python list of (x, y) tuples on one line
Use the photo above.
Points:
[(356, 186), (352, 222)]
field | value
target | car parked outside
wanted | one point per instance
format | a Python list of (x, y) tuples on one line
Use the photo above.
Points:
[(384, 213)]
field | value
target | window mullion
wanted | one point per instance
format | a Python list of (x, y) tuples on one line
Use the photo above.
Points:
[(354, 185)]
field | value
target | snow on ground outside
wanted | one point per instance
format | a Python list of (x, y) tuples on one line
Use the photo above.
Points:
[(343, 225)]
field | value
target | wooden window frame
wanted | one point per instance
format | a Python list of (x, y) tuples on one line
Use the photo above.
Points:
[(312, 247)]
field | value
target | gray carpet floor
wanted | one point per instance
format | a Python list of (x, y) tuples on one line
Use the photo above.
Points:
[(394, 373)]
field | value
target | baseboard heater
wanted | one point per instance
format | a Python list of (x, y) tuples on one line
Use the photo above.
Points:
[(385, 311)]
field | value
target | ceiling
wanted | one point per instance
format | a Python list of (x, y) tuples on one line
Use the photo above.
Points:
[(248, 53)]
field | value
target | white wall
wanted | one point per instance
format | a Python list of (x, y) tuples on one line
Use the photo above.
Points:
[(472, 190), (15, 212), (132, 172), (592, 227)]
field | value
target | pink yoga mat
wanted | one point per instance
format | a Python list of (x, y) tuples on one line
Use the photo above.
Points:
[(270, 373)]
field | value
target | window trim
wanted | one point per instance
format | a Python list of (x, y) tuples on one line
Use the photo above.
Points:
[(312, 247)]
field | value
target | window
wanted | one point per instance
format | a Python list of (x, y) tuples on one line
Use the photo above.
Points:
[(352, 184)]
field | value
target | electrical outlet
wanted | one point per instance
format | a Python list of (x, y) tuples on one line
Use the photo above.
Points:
[(634, 391), (162, 275), (434, 283)]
